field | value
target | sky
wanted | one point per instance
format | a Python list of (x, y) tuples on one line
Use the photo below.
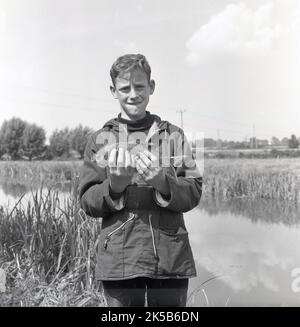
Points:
[(233, 67)]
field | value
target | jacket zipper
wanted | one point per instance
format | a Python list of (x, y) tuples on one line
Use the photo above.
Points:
[(108, 236)]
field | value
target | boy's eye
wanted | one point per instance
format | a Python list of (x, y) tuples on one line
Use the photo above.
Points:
[(125, 89)]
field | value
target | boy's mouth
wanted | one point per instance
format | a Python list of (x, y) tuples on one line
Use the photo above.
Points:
[(134, 103)]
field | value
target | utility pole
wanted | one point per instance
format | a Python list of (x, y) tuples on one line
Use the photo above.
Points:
[(181, 116), (219, 142), (254, 137)]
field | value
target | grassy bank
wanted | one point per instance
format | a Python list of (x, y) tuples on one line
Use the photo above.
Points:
[(225, 178), (36, 171), (253, 178), (47, 250)]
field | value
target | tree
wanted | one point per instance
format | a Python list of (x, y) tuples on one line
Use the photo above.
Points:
[(275, 141), (293, 142), (60, 143), (11, 137), (208, 142), (285, 141), (33, 141), (78, 139), (2, 152)]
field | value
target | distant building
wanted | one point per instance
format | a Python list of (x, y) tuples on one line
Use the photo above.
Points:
[(262, 143)]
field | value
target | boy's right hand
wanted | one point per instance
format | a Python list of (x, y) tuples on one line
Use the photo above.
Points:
[(121, 169)]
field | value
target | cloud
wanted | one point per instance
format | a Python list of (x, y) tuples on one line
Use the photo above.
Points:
[(238, 250), (241, 30)]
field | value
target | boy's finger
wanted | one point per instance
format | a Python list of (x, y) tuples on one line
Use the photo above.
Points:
[(150, 155), (144, 159), (112, 158), (127, 159), (133, 160), (138, 168), (140, 163), (121, 158)]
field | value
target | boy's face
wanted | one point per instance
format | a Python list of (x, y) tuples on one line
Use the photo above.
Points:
[(133, 89)]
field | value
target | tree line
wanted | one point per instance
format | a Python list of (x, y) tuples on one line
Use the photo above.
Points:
[(253, 143), (20, 140)]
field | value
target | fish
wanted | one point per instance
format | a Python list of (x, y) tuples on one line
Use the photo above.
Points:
[(102, 155)]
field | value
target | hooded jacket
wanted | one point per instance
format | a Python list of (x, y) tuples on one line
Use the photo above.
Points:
[(143, 233)]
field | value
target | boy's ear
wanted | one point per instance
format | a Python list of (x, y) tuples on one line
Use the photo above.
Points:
[(152, 86), (113, 91)]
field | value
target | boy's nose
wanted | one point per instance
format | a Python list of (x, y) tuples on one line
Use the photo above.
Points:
[(132, 94)]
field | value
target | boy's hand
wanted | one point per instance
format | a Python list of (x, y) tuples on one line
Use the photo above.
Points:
[(121, 169), (147, 166)]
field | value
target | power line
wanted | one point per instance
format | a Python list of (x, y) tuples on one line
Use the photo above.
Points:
[(55, 104), (62, 93), (270, 133), (222, 130), (101, 99), (218, 118), (226, 121)]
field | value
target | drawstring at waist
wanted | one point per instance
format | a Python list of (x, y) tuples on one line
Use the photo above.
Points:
[(152, 234)]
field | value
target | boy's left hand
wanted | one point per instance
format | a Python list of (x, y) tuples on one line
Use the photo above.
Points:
[(148, 167)]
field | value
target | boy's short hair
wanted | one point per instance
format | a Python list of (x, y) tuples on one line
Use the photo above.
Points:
[(129, 62)]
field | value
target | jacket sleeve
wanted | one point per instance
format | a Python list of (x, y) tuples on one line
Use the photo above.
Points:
[(184, 180), (94, 195)]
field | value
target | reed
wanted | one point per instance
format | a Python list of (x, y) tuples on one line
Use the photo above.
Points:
[(48, 246), (253, 179), (31, 171), (48, 251), (223, 178)]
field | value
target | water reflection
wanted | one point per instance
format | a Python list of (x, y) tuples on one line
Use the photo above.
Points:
[(266, 210), (14, 189), (11, 191), (244, 250), (251, 258)]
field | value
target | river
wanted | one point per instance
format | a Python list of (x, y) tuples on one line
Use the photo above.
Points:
[(246, 252)]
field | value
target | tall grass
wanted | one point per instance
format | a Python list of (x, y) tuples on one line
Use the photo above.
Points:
[(48, 250), (225, 178), (31, 171), (48, 246), (256, 178)]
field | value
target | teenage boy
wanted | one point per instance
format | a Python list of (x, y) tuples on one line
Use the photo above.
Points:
[(144, 249)]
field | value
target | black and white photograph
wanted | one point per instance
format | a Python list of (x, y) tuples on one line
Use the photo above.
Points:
[(149, 154)]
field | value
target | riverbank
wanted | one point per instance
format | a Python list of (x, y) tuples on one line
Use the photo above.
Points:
[(225, 178), (48, 248), (47, 251), (253, 179), (28, 171)]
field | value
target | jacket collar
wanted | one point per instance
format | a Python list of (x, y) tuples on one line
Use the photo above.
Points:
[(157, 126)]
